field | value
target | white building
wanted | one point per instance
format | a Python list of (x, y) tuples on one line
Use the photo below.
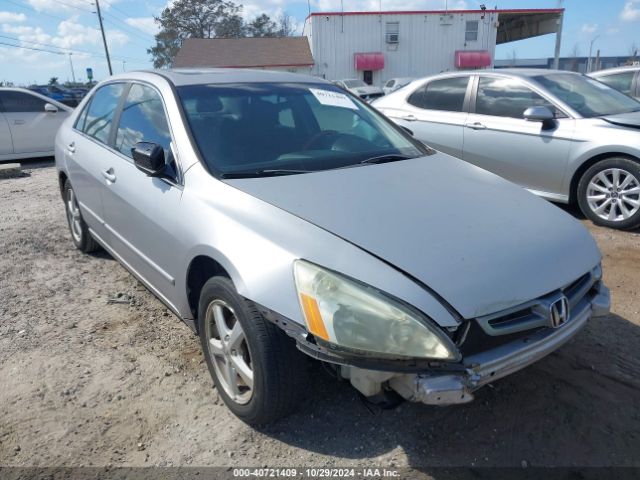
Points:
[(377, 46)]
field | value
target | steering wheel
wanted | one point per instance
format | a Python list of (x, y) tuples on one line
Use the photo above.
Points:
[(317, 137)]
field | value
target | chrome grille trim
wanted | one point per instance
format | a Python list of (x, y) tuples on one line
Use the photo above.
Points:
[(535, 313)]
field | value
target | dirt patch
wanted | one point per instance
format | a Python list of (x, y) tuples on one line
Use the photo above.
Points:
[(89, 381)]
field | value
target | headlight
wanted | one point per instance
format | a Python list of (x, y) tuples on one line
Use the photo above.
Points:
[(352, 315)]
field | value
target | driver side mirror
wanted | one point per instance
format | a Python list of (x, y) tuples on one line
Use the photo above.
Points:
[(149, 158), (540, 114), (49, 108)]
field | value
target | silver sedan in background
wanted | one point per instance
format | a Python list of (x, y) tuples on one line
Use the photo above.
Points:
[(277, 214), (624, 79), (28, 123), (561, 135)]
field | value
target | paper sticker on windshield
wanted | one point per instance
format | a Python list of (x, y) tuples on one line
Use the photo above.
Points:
[(333, 99)]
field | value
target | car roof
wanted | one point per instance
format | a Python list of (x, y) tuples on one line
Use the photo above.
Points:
[(608, 71), (198, 76), (511, 72)]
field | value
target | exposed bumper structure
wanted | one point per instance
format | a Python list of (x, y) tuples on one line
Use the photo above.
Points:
[(485, 367)]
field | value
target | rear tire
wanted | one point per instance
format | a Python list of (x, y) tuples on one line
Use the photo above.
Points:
[(609, 193), (255, 366), (80, 234)]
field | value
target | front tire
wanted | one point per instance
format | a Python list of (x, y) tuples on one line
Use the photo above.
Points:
[(80, 234), (609, 193), (255, 367)]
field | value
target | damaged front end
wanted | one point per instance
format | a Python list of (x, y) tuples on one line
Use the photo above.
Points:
[(491, 347)]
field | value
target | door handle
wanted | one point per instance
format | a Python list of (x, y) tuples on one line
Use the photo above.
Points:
[(109, 175), (476, 126), (71, 147), (19, 122), (408, 118)]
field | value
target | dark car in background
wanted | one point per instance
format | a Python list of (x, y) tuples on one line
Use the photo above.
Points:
[(58, 93)]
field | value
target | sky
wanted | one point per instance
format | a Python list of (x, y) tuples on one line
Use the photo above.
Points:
[(71, 26)]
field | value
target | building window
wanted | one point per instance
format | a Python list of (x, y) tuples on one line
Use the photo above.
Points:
[(471, 32), (392, 32)]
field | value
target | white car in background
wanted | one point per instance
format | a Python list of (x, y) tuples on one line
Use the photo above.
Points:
[(394, 84), (360, 88), (28, 123)]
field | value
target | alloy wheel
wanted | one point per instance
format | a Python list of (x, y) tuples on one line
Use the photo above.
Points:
[(614, 194), (73, 216), (229, 351)]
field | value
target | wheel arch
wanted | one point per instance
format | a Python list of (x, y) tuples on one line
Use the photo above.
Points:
[(202, 267), (587, 164), (62, 178)]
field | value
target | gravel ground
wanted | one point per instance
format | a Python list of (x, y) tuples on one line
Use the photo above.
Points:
[(95, 371)]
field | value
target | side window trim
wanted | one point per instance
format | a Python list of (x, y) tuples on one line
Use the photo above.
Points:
[(116, 124), (116, 116)]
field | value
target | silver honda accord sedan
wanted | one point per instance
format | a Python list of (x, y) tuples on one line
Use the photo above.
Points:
[(561, 135), (282, 218)]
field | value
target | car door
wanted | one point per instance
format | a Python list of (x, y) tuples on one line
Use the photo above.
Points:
[(498, 138), (86, 155), (33, 129), (6, 143), (142, 211), (436, 113)]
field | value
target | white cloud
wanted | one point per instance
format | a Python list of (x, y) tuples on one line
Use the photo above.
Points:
[(69, 34), (6, 17), (612, 30), (630, 11), (146, 24), (589, 28)]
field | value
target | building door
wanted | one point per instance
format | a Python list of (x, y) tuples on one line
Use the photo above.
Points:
[(368, 77)]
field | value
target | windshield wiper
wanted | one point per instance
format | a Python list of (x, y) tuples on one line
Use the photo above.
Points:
[(392, 157), (263, 173)]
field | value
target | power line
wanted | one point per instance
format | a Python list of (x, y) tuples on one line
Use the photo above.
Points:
[(130, 32), (123, 17), (66, 51), (27, 7)]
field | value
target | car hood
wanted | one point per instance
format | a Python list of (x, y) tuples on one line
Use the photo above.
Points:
[(480, 242), (631, 119)]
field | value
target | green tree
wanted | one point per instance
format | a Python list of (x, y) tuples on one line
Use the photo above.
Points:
[(193, 18), (262, 26), (53, 81)]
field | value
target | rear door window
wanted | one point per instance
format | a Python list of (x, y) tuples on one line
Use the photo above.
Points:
[(100, 112), (447, 94)]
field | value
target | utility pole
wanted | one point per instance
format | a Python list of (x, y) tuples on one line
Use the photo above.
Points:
[(589, 61), (104, 38), (556, 53), (73, 74)]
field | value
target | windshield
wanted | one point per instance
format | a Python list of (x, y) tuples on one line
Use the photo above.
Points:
[(586, 96), (288, 127), (354, 83)]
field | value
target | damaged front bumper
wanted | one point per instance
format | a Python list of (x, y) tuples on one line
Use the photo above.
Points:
[(446, 388)]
